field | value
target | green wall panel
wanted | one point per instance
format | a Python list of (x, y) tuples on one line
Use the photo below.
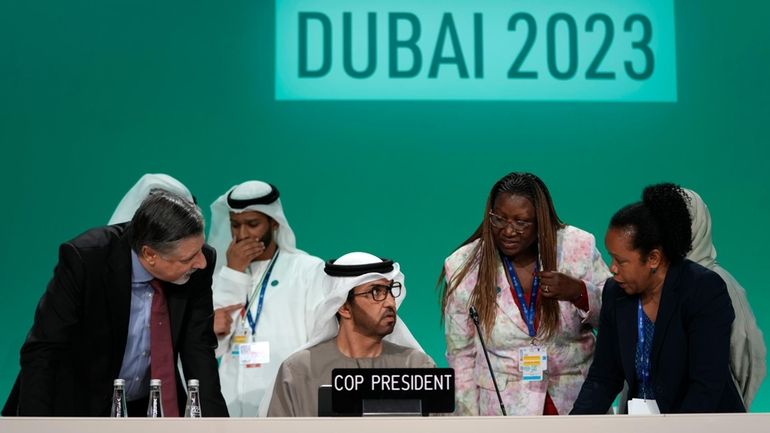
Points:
[(94, 94)]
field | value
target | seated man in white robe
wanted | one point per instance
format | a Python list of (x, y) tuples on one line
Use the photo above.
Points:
[(357, 327)]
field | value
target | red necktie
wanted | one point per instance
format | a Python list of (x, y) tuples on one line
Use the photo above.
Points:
[(161, 350)]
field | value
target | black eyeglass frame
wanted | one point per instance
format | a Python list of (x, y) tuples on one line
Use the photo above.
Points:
[(393, 289)]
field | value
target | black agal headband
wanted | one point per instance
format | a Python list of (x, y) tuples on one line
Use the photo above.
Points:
[(235, 203), (383, 267)]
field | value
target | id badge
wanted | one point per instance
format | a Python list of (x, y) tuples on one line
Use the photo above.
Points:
[(239, 338), (641, 406), (254, 354), (533, 361)]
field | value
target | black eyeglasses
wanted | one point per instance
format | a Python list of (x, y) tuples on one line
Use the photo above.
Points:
[(380, 291), (519, 226)]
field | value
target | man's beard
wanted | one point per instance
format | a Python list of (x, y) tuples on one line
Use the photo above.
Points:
[(370, 326), (267, 240), (183, 279)]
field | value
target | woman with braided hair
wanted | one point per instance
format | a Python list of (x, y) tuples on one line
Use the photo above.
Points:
[(665, 321), (536, 284)]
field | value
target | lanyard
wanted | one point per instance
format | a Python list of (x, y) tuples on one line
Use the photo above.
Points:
[(527, 310), (265, 278), (645, 361)]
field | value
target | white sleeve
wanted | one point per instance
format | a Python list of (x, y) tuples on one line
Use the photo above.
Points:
[(230, 287)]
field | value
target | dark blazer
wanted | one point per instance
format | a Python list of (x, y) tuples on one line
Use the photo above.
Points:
[(75, 347), (690, 347)]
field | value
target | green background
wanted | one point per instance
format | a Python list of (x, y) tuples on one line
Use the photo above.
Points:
[(95, 93)]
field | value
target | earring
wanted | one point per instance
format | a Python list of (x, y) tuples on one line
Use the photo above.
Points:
[(653, 270)]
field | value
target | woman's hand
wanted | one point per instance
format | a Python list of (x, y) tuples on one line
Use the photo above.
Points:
[(562, 287)]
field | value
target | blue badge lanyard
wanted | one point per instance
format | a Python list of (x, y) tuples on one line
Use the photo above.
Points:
[(265, 278), (645, 361), (528, 310)]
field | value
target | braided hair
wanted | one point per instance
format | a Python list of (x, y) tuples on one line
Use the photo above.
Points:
[(661, 220), (485, 256)]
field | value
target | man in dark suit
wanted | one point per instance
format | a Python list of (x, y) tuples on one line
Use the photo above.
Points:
[(125, 301)]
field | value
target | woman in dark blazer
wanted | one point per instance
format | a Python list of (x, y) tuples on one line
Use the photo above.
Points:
[(665, 321)]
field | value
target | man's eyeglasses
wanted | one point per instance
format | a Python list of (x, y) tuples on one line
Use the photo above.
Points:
[(380, 291), (499, 222)]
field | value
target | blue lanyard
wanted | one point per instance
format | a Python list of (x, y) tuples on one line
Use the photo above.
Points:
[(528, 310), (265, 278), (645, 367)]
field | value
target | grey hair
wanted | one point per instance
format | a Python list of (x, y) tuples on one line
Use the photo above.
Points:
[(162, 220)]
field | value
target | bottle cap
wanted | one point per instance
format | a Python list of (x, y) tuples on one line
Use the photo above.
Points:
[(193, 382), (155, 382), (120, 382)]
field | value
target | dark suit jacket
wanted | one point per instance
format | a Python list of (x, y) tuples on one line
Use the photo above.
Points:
[(75, 347), (690, 347)]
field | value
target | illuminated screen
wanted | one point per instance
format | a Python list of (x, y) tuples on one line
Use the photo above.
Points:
[(483, 50)]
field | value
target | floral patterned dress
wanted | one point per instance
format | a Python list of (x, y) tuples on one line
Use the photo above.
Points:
[(570, 351)]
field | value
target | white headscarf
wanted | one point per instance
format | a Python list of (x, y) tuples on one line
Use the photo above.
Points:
[(220, 235), (747, 346), (136, 195), (703, 251), (336, 289)]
